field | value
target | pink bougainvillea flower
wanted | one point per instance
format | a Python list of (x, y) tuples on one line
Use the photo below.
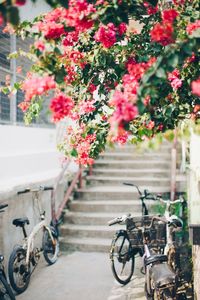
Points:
[(106, 35), (174, 78), (192, 27), (61, 106), (121, 137), (86, 107), (162, 33), (195, 85), (39, 45), (36, 86), (169, 15), (70, 38), (24, 105), (150, 125)]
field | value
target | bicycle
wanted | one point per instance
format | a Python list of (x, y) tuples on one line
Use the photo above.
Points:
[(24, 258), (5, 290), (123, 250), (148, 236)]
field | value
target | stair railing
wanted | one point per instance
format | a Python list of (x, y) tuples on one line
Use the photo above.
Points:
[(173, 166)]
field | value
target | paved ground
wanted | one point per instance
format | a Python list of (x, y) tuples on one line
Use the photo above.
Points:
[(81, 276)]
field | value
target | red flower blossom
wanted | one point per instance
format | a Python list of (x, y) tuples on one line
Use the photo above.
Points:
[(106, 35), (169, 15), (195, 85), (92, 88), (61, 106), (71, 38), (86, 107), (20, 2), (51, 30), (122, 28), (162, 33), (151, 10)]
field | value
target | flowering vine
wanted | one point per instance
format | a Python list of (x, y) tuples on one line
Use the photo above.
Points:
[(114, 82)]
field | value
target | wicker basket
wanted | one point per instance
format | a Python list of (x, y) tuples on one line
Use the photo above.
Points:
[(155, 237)]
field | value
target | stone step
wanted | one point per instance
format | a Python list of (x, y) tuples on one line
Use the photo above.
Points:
[(131, 164), (152, 173), (107, 206), (115, 192), (135, 156), (85, 244), (165, 147), (89, 218), (90, 231), (145, 181)]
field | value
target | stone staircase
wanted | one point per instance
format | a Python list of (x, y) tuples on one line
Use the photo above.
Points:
[(105, 197)]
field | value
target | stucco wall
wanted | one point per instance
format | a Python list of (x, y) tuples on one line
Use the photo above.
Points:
[(194, 205)]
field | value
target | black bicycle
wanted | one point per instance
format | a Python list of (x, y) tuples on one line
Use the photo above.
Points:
[(123, 247), (5, 290)]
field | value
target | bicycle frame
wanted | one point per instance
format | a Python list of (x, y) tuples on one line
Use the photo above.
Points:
[(29, 241)]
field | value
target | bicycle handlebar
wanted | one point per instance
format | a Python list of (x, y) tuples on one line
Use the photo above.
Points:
[(40, 188), (2, 206), (118, 220)]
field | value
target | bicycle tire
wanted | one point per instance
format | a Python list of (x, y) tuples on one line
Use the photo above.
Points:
[(17, 269), (5, 290), (50, 251), (122, 257)]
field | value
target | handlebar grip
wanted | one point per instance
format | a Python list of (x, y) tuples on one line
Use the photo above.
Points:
[(128, 183), (2, 206), (47, 188), (23, 191), (113, 222)]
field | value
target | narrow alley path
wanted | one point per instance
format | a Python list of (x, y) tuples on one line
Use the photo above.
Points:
[(80, 276)]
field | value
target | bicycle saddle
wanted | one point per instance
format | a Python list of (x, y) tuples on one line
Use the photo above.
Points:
[(155, 258), (162, 275), (21, 222)]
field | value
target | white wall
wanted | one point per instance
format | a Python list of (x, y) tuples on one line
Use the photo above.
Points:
[(31, 10), (27, 155)]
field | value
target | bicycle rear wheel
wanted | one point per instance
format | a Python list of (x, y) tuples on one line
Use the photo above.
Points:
[(50, 248), (122, 258), (5, 290), (19, 273)]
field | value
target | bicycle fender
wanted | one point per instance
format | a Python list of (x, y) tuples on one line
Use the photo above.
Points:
[(54, 231)]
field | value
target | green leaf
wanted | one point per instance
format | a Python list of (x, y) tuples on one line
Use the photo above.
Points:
[(160, 73), (173, 60), (13, 15), (74, 153)]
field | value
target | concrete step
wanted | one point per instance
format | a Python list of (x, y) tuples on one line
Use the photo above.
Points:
[(90, 231), (115, 192), (91, 218), (164, 147), (132, 164), (145, 181), (85, 244), (135, 156), (152, 173), (108, 206)]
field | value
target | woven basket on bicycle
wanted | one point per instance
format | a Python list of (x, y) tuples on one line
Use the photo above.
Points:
[(155, 236)]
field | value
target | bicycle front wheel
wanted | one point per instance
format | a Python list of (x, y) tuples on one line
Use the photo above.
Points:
[(5, 290), (50, 248), (122, 258), (19, 273)]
